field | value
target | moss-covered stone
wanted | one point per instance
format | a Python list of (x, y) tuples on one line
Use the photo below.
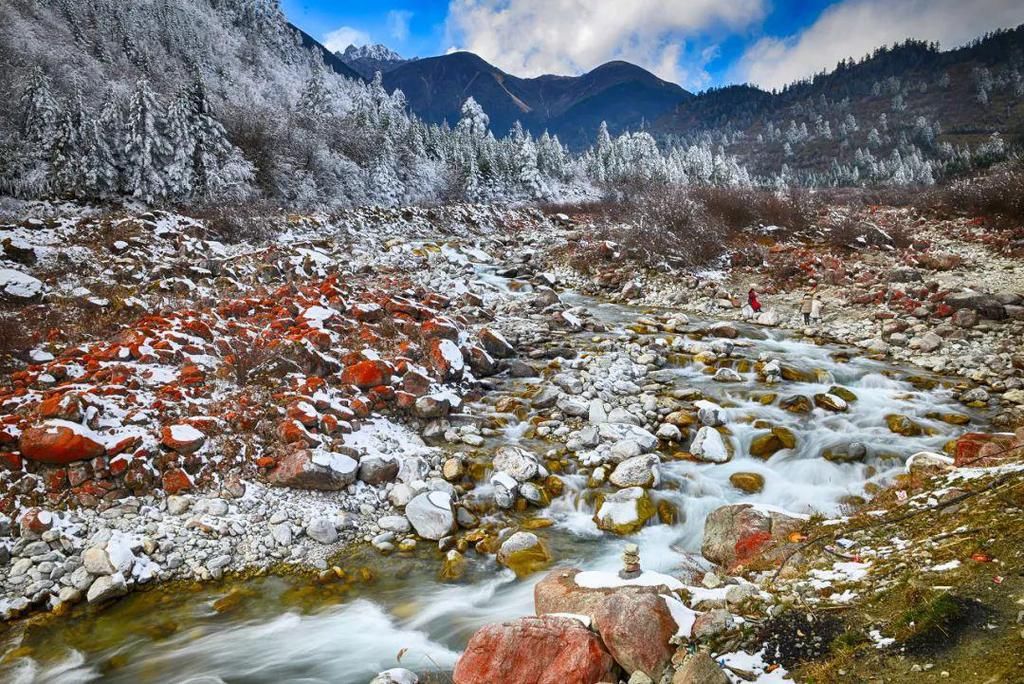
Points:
[(902, 425), (749, 483)]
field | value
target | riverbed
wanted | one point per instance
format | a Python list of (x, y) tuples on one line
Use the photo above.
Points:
[(394, 610)]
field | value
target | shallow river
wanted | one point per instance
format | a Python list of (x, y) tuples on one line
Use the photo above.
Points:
[(291, 630)]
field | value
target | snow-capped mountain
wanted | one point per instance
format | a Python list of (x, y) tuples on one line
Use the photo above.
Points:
[(369, 59)]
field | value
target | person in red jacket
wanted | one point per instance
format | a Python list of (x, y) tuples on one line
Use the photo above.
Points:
[(753, 301)]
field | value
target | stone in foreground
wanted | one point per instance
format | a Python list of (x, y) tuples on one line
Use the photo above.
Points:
[(535, 650)]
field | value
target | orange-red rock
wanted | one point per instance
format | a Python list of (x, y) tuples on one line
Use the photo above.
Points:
[(532, 650), (59, 442), (366, 374), (176, 480)]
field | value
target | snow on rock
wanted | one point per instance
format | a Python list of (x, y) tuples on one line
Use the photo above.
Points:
[(18, 285)]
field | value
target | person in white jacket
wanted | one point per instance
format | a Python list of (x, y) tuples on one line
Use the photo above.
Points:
[(816, 307)]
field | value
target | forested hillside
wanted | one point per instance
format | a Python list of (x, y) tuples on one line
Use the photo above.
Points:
[(907, 113)]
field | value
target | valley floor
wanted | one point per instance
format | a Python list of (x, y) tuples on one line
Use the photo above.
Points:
[(185, 405)]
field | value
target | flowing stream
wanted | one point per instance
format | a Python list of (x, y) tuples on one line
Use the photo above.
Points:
[(293, 630)]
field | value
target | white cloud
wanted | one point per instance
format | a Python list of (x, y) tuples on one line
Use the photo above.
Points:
[(534, 37), (340, 38), (398, 24), (853, 28)]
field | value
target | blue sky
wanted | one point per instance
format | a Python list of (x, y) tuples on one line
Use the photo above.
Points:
[(696, 43)]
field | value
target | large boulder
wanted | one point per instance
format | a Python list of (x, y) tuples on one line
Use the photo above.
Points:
[(636, 629), (535, 650), (431, 515), (314, 469), (633, 617), (60, 442), (182, 438), (737, 533)]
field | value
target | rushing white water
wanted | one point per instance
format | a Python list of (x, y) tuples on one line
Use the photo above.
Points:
[(429, 621)]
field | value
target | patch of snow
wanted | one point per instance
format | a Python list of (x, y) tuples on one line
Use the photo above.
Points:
[(17, 284), (596, 579)]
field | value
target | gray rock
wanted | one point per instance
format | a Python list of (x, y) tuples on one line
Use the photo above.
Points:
[(517, 462), (376, 470), (178, 505), (97, 561), (431, 515), (106, 588), (322, 530)]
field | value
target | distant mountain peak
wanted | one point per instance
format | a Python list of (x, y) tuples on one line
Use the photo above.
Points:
[(369, 59), (378, 52)]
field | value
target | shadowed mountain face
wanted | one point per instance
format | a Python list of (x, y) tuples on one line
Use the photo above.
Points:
[(332, 60), (573, 107)]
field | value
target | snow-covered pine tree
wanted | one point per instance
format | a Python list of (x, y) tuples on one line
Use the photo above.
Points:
[(145, 146)]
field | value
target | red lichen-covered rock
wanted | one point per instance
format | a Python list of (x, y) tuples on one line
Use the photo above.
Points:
[(439, 328), (62, 406), (446, 359), (982, 450), (366, 374), (292, 432), (304, 412), (176, 480), (182, 438), (737, 533), (367, 312), (531, 650), (314, 469), (60, 442)]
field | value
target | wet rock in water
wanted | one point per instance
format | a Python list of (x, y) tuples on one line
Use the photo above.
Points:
[(524, 553), (796, 404), (517, 462), (749, 483), (700, 668), (60, 442), (431, 515), (843, 393), (638, 471), (314, 469), (736, 533), (831, 402), (724, 329), (453, 469), (453, 567), (637, 629), (902, 425), (766, 444), (710, 446), (535, 650), (625, 511), (727, 375), (846, 453), (710, 413)]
